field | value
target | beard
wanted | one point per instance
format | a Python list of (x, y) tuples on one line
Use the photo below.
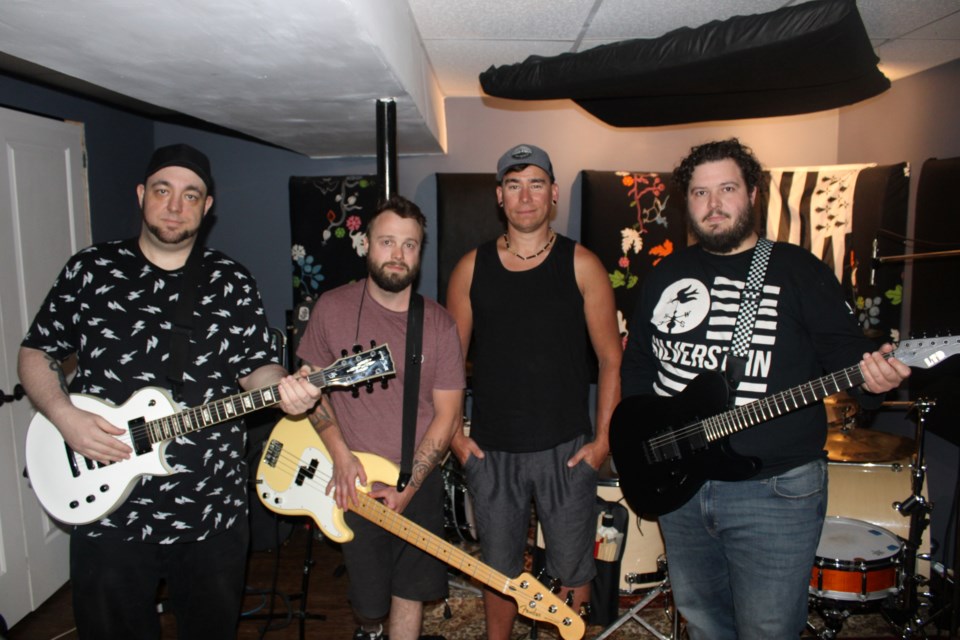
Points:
[(167, 237), (726, 241), (389, 281)]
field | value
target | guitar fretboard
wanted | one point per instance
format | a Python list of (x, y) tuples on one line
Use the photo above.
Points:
[(748, 415), (428, 542), (229, 408)]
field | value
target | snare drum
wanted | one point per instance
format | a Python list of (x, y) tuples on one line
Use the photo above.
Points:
[(856, 561), (867, 491)]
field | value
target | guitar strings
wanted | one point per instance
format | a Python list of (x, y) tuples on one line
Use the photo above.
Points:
[(753, 413)]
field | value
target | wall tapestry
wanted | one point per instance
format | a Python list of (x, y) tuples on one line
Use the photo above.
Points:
[(633, 219), (328, 217)]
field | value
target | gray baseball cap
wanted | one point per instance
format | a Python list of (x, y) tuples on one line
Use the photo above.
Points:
[(524, 154)]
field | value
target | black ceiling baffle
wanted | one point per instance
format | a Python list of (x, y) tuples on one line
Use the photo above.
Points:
[(387, 146), (798, 59)]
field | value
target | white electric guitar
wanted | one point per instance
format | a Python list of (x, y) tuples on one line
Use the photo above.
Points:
[(292, 479), (76, 490)]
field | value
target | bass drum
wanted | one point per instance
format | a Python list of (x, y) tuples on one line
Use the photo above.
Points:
[(644, 544), (868, 491)]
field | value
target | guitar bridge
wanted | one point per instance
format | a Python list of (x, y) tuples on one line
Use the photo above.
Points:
[(272, 454)]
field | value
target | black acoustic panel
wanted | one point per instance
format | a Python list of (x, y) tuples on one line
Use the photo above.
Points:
[(467, 216), (935, 301)]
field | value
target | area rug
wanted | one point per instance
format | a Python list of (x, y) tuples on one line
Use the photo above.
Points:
[(465, 622)]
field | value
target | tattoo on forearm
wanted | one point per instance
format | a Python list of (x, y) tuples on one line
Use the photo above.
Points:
[(56, 368), (428, 456), (321, 418)]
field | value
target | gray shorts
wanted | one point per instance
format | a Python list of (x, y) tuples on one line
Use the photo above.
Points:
[(502, 485)]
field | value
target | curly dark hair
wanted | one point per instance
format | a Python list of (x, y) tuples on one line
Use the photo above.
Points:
[(402, 207), (719, 150)]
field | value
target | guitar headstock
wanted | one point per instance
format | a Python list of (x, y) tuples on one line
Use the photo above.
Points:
[(537, 602), (927, 352), (366, 366)]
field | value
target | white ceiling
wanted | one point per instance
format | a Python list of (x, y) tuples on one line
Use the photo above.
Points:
[(305, 74)]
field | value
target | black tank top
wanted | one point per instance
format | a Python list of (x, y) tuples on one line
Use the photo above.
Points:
[(530, 380)]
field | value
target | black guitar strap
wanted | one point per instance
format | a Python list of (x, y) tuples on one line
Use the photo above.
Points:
[(747, 316), (411, 387), (182, 327)]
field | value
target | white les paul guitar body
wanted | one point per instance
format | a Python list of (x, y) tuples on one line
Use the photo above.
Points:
[(76, 490), (292, 478)]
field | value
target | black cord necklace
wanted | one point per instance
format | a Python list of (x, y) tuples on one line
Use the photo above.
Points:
[(506, 241)]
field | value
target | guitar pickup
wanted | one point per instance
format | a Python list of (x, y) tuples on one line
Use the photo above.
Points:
[(139, 437), (306, 472)]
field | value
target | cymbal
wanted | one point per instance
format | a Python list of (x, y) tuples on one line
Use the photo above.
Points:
[(841, 408), (865, 445)]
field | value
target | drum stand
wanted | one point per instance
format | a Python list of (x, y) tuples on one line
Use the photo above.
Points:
[(632, 614), (907, 613)]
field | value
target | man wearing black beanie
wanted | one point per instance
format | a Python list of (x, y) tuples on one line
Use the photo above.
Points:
[(115, 306)]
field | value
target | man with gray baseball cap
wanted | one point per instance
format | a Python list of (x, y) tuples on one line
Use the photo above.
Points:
[(524, 301), (524, 154)]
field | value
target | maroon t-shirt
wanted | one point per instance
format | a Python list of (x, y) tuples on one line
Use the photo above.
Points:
[(373, 421)]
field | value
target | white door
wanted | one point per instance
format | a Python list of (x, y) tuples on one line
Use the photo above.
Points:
[(43, 221)]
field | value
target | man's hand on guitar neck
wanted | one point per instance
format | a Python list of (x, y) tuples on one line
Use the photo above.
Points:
[(297, 394), (880, 373)]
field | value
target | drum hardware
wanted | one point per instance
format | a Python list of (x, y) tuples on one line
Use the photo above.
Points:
[(663, 588), (889, 582)]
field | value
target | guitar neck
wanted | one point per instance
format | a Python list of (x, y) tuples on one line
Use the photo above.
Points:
[(778, 404), (428, 542), (212, 413)]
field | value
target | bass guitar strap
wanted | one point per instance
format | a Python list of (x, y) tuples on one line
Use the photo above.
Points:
[(411, 387), (747, 315)]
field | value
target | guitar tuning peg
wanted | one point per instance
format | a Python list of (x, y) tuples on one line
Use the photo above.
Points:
[(343, 353), (586, 609), (569, 599), (555, 585), (384, 384), (373, 344), (369, 386), (355, 392)]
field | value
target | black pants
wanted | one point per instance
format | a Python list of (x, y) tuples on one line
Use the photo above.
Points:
[(115, 586)]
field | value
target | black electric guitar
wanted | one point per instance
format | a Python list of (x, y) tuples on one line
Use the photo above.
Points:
[(76, 490), (665, 448), (292, 479)]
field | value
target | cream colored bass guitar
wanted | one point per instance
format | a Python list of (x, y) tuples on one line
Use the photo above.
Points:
[(292, 478)]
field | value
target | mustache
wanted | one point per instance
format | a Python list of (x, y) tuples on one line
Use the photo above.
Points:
[(716, 212)]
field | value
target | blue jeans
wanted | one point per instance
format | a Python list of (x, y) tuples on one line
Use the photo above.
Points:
[(739, 554)]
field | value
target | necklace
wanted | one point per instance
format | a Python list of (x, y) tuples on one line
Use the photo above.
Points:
[(506, 242)]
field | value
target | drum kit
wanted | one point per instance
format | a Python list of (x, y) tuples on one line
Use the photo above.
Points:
[(874, 551)]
